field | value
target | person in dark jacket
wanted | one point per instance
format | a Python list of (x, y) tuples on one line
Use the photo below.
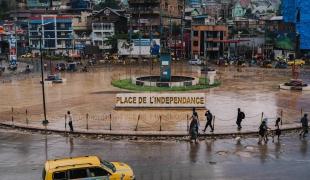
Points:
[(263, 132), (209, 118), (193, 128), (70, 120), (305, 126), (277, 130), (240, 117)]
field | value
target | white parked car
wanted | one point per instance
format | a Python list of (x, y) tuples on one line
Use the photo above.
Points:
[(195, 62)]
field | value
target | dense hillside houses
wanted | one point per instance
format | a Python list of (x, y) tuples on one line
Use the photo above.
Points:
[(76, 25)]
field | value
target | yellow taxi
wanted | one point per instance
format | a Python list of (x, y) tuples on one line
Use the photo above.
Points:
[(28, 55), (298, 62), (86, 168)]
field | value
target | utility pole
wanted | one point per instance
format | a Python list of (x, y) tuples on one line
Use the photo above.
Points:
[(45, 121), (73, 44), (139, 24), (182, 28), (15, 31)]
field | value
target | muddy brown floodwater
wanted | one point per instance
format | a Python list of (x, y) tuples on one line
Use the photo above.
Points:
[(254, 90)]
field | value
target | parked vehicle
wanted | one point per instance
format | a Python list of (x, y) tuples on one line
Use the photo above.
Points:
[(27, 55), (266, 64), (195, 62), (281, 65), (298, 62), (92, 62), (60, 67), (72, 67), (54, 78), (86, 168), (12, 67)]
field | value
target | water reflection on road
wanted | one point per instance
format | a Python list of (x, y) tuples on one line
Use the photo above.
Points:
[(22, 156)]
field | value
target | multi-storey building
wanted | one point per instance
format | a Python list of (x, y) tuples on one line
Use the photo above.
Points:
[(194, 3), (82, 32), (57, 34), (147, 15), (81, 5), (16, 29), (38, 4), (105, 24), (208, 38)]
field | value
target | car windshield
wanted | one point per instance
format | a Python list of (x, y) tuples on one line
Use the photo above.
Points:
[(108, 165)]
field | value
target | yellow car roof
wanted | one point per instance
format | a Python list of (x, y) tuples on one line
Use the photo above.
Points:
[(73, 161)]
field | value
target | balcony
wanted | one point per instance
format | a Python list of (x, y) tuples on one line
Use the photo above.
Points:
[(213, 49), (80, 28), (213, 39), (145, 10), (64, 37)]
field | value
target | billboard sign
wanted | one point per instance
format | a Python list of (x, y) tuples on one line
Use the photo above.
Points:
[(147, 47)]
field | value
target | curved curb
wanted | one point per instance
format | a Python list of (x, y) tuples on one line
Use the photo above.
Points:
[(138, 133)]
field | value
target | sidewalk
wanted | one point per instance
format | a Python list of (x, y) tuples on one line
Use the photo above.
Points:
[(218, 132)]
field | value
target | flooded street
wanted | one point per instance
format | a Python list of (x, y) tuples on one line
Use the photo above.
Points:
[(254, 90), (22, 156)]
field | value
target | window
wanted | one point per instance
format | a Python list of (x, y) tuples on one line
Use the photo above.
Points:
[(195, 43), (195, 33), (98, 34), (96, 171), (77, 173), (109, 165), (59, 176)]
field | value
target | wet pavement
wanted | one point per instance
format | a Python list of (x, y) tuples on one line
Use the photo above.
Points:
[(254, 90), (22, 156)]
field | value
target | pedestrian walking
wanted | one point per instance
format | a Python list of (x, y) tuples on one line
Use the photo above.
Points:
[(304, 124), (209, 118), (263, 132), (193, 128), (195, 116), (278, 130), (240, 117), (194, 112), (70, 121)]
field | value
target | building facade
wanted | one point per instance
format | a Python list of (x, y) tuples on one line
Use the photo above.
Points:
[(193, 3), (149, 15), (38, 4), (57, 34), (106, 23), (82, 33), (209, 40)]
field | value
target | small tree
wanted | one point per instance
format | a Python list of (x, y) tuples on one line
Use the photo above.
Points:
[(112, 41)]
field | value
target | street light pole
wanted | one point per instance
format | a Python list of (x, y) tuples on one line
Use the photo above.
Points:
[(48, 44), (45, 121)]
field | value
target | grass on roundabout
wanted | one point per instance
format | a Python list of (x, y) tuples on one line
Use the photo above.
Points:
[(127, 84)]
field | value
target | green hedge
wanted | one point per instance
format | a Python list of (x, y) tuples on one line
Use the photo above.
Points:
[(127, 84)]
